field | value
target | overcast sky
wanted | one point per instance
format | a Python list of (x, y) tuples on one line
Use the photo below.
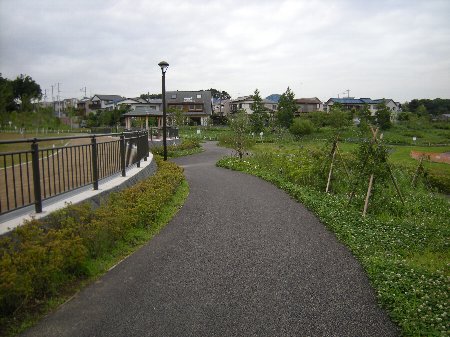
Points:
[(378, 49)]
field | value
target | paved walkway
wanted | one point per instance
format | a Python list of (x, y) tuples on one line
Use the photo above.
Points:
[(241, 258)]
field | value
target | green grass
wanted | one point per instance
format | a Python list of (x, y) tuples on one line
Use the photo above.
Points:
[(403, 248)]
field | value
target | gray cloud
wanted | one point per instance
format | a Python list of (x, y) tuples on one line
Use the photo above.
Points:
[(398, 49)]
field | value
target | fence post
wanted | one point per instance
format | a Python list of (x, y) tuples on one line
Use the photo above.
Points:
[(94, 162), (36, 176), (122, 154), (138, 149), (145, 144)]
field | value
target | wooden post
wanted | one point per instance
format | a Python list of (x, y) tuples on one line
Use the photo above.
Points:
[(343, 162), (395, 184), (369, 190), (331, 166), (413, 183)]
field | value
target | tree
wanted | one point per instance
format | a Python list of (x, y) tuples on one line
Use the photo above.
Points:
[(259, 116), (178, 116), (364, 114), (219, 94), (339, 118), (151, 96), (240, 125), (25, 89), (7, 103), (286, 108), (383, 116), (301, 127), (422, 110)]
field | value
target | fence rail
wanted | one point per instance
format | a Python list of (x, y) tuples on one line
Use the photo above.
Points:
[(32, 175)]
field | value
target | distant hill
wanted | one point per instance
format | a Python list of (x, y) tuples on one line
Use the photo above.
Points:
[(274, 97)]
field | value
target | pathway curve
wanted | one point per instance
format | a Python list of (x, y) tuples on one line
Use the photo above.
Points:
[(241, 258)]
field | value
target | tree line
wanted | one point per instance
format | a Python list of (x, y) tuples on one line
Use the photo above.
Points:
[(18, 94)]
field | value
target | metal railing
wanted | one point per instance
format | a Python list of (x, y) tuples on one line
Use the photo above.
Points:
[(32, 175)]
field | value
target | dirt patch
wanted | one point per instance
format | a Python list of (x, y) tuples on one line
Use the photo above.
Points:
[(434, 157)]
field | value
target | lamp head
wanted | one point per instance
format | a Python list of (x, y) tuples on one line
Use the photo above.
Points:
[(163, 65)]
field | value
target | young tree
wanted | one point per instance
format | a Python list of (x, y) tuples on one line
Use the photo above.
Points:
[(26, 89), (339, 118), (259, 116), (286, 108), (240, 126), (178, 116), (383, 116)]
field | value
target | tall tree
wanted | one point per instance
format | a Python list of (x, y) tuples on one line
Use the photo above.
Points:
[(286, 108), (219, 94), (259, 116), (25, 90), (6, 95)]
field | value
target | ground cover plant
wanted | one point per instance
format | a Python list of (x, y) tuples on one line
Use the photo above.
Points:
[(185, 148), (404, 248), (42, 263)]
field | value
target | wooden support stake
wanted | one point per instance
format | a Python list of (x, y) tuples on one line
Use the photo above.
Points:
[(331, 166), (413, 183), (343, 162), (395, 184), (369, 191)]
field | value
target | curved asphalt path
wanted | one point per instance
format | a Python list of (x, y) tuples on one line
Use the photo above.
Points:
[(241, 258)]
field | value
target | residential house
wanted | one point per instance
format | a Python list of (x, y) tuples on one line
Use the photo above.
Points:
[(359, 103), (245, 103), (196, 105), (135, 103), (309, 104), (83, 106), (221, 107), (109, 102)]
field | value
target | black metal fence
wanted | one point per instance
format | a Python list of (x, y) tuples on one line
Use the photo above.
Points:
[(29, 176)]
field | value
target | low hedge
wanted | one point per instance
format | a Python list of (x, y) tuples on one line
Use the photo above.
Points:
[(38, 259)]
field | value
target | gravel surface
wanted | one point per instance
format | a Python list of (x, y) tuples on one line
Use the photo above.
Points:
[(241, 258)]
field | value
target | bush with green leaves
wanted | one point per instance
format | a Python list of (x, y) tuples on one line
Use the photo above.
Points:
[(301, 127), (39, 258), (186, 147)]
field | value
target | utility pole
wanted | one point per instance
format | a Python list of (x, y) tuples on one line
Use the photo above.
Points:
[(59, 103), (84, 89), (348, 93)]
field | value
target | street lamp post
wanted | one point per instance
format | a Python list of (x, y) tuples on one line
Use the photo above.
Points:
[(164, 65)]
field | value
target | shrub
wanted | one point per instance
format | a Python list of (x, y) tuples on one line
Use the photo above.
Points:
[(186, 147), (40, 257), (301, 127)]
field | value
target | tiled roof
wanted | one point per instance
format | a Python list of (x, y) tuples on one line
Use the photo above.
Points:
[(142, 112), (110, 97), (312, 100), (191, 97)]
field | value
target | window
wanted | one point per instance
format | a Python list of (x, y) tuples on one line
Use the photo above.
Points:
[(191, 107), (199, 95), (198, 107), (240, 105), (174, 96)]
